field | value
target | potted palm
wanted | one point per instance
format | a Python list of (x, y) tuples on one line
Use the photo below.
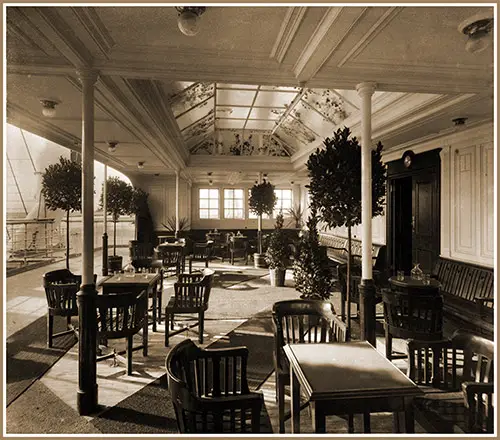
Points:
[(262, 201), (278, 253)]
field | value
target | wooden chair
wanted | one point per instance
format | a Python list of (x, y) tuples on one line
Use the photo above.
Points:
[(191, 295), (301, 321), (61, 287), (238, 248), (457, 378), (209, 390), (411, 316), (170, 258), (141, 255), (122, 315), (201, 252)]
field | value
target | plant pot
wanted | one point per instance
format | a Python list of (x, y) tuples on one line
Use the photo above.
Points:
[(114, 263), (259, 260), (277, 277)]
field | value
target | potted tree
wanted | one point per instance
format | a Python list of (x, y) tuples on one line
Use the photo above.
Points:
[(262, 201), (119, 201), (62, 189), (311, 267), (278, 253), (335, 186)]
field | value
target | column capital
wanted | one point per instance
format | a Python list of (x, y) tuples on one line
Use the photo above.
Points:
[(87, 75), (366, 88)]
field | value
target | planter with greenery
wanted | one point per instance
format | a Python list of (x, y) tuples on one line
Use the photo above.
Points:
[(335, 186), (296, 213), (262, 200), (171, 224), (278, 253), (62, 189), (119, 201), (311, 267)]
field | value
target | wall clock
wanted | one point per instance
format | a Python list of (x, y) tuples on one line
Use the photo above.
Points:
[(408, 158)]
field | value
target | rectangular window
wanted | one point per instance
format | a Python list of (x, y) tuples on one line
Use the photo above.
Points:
[(250, 213), (233, 203), (284, 202), (209, 203)]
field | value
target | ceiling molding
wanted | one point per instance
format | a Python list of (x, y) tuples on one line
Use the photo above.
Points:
[(50, 66), (238, 163), (306, 58), (363, 43), (95, 28), (289, 28), (60, 33)]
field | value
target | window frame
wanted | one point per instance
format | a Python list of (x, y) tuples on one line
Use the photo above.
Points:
[(209, 208), (233, 208), (280, 200)]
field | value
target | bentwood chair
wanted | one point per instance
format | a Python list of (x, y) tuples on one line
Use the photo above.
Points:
[(210, 391), (122, 315), (191, 295), (301, 321)]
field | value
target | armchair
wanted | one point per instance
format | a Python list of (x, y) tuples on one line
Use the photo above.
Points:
[(209, 390), (457, 377), (191, 295)]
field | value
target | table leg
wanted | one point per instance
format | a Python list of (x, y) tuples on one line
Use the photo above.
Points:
[(366, 422), (396, 422), (155, 308), (295, 394), (145, 332), (318, 418)]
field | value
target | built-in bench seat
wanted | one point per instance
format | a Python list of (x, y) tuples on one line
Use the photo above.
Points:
[(467, 291), (337, 251)]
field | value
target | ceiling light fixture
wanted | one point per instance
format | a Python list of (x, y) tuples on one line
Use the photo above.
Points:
[(140, 165), (477, 28), (189, 19), (112, 146), (459, 123), (49, 107)]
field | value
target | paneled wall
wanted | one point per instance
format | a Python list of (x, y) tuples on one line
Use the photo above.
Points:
[(467, 192)]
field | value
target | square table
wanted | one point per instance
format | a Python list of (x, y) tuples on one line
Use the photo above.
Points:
[(136, 284), (348, 378)]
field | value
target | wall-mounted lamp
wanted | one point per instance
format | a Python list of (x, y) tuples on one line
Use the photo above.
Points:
[(140, 165), (210, 182), (49, 107), (189, 19), (112, 146)]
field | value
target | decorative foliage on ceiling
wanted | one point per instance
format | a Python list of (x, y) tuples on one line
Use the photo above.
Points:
[(201, 127), (191, 97), (206, 146), (272, 146), (295, 130), (326, 102), (242, 147)]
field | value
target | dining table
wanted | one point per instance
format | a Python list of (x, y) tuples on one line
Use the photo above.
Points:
[(407, 284), (135, 284), (347, 378)]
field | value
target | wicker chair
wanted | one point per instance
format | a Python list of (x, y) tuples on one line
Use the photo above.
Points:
[(456, 376), (170, 258), (238, 248), (301, 321), (411, 316), (191, 295), (209, 390), (122, 315)]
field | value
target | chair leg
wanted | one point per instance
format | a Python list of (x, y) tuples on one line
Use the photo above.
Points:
[(172, 322), (50, 330), (350, 423), (201, 319), (158, 305), (281, 404), (167, 318), (68, 322), (388, 344), (190, 266), (129, 354)]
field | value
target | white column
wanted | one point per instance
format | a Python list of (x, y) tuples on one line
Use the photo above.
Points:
[(104, 200), (365, 91), (88, 78)]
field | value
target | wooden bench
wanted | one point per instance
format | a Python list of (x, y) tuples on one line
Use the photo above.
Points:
[(467, 291), (456, 376), (337, 251)]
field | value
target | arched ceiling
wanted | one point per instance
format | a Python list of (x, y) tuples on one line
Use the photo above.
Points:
[(256, 90)]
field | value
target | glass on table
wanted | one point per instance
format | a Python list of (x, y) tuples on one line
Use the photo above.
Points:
[(400, 275), (426, 279)]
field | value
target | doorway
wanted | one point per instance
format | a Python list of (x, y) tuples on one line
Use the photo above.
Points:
[(413, 213)]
